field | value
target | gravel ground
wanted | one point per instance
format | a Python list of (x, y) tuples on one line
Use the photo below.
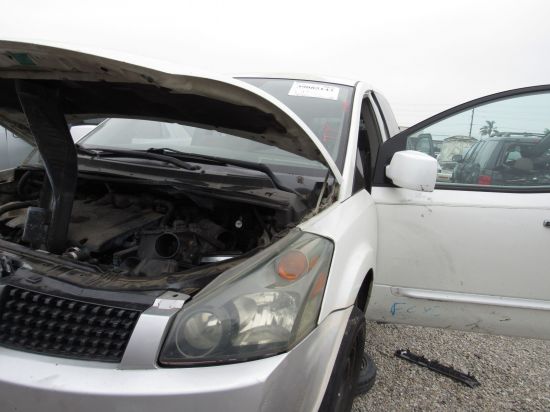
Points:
[(514, 373)]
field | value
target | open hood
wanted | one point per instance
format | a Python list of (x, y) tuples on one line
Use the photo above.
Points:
[(87, 83)]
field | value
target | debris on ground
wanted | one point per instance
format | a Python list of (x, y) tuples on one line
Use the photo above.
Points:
[(435, 366), (514, 372)]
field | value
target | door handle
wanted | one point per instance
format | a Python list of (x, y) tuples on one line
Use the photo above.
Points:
[(546, 223)]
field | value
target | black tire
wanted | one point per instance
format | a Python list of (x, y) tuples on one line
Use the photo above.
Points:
[(367, 375), (342, 385)]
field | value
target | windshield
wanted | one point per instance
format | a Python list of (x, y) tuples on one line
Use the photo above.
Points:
[(328, 116), (137, 134), (324, 107)]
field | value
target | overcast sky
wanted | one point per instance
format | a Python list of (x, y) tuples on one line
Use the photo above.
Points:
[(425, 56)]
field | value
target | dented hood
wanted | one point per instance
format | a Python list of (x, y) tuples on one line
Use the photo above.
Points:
[(93, 83)]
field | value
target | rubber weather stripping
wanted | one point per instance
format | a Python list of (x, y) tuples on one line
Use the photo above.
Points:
[(449, 371)]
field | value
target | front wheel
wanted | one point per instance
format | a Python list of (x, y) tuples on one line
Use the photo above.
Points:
[(367, 375), (342, 385)]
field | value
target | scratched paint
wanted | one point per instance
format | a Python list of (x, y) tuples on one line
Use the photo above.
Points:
[(404, 308), (394, 307)]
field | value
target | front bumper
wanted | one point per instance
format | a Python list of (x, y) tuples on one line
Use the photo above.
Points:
[(293, 381)]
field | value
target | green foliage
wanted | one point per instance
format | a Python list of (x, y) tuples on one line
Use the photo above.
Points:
[(489, 129)]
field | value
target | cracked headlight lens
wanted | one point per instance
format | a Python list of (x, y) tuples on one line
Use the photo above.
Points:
[(259, 308)]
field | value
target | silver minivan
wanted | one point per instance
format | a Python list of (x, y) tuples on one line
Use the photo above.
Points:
[(217, 243)]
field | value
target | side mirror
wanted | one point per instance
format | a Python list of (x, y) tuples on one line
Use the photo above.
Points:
[(457, 158), (413, 170)]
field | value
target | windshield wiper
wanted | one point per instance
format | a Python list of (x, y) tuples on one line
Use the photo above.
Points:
[(260, 167), (97, 153), (189, 156), (174, 157)]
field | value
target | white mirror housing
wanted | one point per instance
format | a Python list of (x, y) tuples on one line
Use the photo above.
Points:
[(413, 170)]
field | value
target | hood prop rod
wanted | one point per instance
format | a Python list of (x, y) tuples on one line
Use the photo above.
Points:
[(42, 107)]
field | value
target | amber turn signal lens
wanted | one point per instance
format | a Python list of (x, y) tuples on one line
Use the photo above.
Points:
[(292, 265), (319, 285)]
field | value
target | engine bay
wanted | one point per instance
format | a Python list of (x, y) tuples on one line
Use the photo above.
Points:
[(140, 231)]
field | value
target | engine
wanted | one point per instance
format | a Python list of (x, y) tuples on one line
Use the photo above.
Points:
[(153, 233)]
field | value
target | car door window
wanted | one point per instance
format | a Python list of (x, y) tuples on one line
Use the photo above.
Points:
[(502, 144)]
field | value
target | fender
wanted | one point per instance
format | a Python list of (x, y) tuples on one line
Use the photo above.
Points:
[(355, 247)]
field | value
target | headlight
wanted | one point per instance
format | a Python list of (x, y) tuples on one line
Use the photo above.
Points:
[(259, 308)]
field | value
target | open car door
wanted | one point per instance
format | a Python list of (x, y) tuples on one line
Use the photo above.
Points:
[(473, 253)]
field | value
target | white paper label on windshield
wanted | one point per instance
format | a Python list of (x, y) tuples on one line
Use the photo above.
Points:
[(320, 91)]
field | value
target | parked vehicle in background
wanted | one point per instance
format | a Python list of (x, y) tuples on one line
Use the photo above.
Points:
[(422, 142), (509, 159), (452, 150), (81, 128), (217, 244), (13, 150)]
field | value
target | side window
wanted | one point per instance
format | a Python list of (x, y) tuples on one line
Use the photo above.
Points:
[(501, 144), (367, 148)]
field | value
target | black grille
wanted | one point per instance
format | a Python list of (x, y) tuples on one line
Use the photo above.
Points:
[(37, 322)]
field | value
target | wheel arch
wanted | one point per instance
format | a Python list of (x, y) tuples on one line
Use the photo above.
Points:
[(364, 293)]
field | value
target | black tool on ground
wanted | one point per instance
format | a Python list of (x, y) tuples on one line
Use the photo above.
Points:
[(435, 366)]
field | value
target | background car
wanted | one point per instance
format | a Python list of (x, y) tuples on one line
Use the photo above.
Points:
[(451, 149), (81, 128), (507, 159), (13, 149)]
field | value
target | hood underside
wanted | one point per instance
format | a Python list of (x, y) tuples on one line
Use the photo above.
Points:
[(87, 85), (43, 88)]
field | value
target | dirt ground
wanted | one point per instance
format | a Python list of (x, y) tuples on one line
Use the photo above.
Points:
[(514, 373)]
